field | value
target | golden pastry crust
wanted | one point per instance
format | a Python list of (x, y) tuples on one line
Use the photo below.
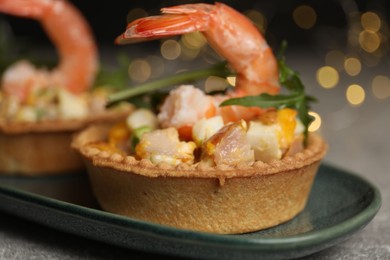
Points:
[(219, 199), (43, 148), (63, 125)]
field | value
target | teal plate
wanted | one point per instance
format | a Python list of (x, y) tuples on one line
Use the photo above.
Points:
[(340, 204)]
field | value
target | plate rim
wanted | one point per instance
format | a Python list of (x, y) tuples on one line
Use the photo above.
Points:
[(314, 237)]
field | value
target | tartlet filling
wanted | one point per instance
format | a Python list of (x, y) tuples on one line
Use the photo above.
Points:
[(272, 135), (34, 100)]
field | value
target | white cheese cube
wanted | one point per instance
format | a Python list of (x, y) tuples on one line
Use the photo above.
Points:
[(71, 106), (205, 128), (140, 118), (264, 141)]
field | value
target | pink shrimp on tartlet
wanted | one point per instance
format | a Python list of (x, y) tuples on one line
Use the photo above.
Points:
[(234, 37), (73, 39)]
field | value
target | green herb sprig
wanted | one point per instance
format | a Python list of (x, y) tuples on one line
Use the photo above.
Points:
[(297, 99), (220, 70)]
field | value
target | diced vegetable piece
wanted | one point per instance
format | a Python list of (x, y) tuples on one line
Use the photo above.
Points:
[(205, 128), (137, 134), (264, 141), (27, 114), (163, 145), (142, 118), (287, 123), (71, 106)]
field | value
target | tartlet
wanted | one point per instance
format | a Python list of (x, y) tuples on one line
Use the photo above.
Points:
[(41, 107), (221, 199), (232, 162), (43, 148)]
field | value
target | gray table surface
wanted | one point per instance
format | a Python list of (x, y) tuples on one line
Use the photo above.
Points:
[(359, 142)]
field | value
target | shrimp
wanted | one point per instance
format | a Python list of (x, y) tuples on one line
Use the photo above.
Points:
[(73, 39), (233, 36)]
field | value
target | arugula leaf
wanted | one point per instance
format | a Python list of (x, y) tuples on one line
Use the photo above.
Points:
[(264, 100), (296, 100)]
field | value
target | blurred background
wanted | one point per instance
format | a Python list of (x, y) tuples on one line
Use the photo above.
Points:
[(329, 24), (345, 37)]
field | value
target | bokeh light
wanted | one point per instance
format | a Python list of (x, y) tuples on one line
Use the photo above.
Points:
[(355, 94), (316, 124), (139, 70), (231, 80), (381, 87), (191, 45), (352, 66), (170, 49), (258, 19), (369, 41), (193, 40), (136, 13), (371, 21), (305, 16), (327, 77), (188, 54)]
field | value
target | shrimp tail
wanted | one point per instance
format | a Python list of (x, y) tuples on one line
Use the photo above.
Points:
[(155, 27), (175, 20)]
